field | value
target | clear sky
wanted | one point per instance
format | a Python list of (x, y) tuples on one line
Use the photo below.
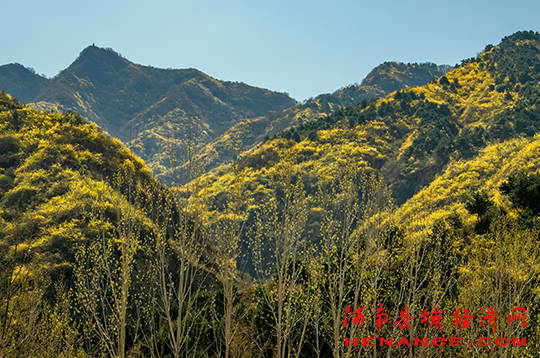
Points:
[(301, 47)]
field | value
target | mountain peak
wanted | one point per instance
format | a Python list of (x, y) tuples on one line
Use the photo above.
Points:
[(94, 50), (391, 76), (14, 66), (21, 82), (18, 68), (101, 64), (93, 54)]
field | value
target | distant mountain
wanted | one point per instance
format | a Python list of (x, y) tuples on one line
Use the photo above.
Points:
[(151, 109), (23, 83), (392, 76), (166, 116), (382, 80)]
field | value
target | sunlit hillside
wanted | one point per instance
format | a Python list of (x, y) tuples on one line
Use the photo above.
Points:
[(448, 193), (157, 112), (64, 183), (383, 79), (413, 197), (409, 136)]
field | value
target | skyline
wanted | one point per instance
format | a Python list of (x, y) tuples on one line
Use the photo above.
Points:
[(304, 49)]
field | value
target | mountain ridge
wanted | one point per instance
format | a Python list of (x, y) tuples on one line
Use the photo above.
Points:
[(381, 80), (148, 107), (410, 135), (26, 83), (162, 114)]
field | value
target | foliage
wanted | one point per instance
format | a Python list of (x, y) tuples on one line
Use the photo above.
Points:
[(383, 79), (150, 109), (426, 198), (58, 172), (523, 190), (411, 135)]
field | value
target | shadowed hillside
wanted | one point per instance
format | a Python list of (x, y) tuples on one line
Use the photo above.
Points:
[(385, 78), (156, 111)]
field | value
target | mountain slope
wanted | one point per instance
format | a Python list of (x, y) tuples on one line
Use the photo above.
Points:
[(410, 135), (385, 78), (151, 109), (21, 82), (449, 191), (64, 183), (82, 224), (164, 114)]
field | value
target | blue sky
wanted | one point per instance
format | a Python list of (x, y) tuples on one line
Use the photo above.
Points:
[(301, 47)]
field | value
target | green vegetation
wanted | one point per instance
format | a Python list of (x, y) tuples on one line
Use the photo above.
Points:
[(65, 187), (169, 116), (55, 169), (426, 198), (411, 135), (446, 195), (154, 111), (382, 80)]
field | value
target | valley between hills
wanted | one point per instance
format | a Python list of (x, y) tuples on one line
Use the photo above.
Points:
[(150, 212)]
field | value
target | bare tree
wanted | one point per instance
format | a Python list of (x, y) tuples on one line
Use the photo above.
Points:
[(179, 275), (225, 234), (279, 248), (104, 268), (351, 251)]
